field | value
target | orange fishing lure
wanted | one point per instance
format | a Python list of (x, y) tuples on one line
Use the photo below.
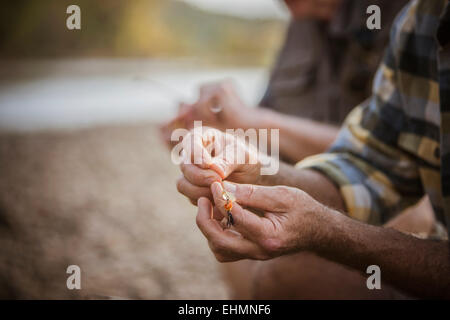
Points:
[(229, 198)]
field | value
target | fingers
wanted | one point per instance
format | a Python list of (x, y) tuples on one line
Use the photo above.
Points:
[(271, 199), (191, 191), (216, 214), (195, 150), (199, 177), (201, 144), (229, 156), (210, 228), (247, 223), (210, 148), (210, 143), (223, 167), (226, 245)]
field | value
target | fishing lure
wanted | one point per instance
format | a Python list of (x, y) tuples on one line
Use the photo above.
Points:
[(229, 198)]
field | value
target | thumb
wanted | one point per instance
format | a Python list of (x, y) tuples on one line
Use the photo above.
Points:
[(247, 223), (270, 199)]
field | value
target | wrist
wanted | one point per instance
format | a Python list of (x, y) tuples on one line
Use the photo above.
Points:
[(251, 118), (320, 221), (265, 119), (256, 118)]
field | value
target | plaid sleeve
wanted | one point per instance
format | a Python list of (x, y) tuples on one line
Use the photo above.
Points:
[(372, 161), (375, 177)]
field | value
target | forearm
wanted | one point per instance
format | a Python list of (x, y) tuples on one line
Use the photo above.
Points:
[(299, 137), (310, 181), (420, 267), (417, 266)]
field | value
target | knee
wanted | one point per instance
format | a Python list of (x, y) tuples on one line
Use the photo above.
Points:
[(285, 277)]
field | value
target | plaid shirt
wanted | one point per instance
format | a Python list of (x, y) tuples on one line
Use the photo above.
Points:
[(395, 147)]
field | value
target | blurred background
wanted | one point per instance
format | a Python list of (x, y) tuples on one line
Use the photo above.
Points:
[(85, 179), (129, 60)]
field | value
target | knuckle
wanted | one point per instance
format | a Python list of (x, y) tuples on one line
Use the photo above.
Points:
[(283, 189), (299, 196), (284, 192), (190, 173), (208, 177), (248, 191), (183, 167), (287, 195)]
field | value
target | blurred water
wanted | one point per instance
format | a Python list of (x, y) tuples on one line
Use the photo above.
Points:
[(57, 94), (247, 9)]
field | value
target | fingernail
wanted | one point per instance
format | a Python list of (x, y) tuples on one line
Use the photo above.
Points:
[(230, 187)]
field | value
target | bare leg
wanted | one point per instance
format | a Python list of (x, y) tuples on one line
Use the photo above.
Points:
[(239, 278), (307, 276)]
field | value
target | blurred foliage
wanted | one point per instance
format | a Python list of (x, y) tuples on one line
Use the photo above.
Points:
[(138, 28)]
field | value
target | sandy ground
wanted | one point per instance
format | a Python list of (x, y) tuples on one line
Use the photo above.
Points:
[(103, 199)]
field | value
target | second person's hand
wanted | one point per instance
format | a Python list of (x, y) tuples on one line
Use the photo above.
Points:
[(215, 160)]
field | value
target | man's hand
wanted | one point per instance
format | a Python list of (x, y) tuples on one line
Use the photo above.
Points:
[(213, 97), (213, 156), (285, 222), (224, 97)]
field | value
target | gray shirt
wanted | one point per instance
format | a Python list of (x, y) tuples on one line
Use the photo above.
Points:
[(324, 70)]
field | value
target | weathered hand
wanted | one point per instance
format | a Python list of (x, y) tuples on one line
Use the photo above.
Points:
[(286, 221)]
